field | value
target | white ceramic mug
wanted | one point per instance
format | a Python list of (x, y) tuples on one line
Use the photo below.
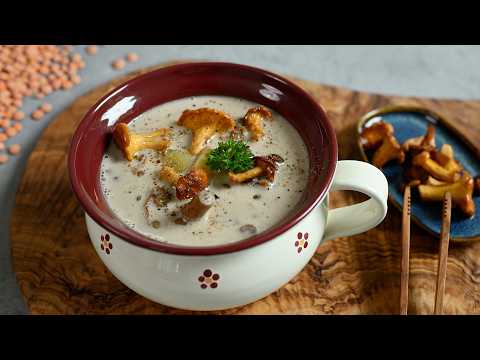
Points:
[(232, 274), (244, 276)]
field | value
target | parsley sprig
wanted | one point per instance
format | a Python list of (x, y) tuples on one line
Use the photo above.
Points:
[(231, 156)]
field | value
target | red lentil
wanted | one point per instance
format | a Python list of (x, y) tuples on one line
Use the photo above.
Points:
[(14, 149), (18, 116), (46, 107), (67, 84), (132, 57), (76, 57), (91, 49), (11, 132), (118, 64), (37, 114), (33, 70)]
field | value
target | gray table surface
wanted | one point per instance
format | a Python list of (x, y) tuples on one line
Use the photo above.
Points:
[(432, 71)]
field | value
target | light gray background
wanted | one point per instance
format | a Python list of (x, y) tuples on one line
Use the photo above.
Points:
[(433, 71)]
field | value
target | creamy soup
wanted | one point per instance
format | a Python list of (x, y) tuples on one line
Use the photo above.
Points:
[(238, 211)]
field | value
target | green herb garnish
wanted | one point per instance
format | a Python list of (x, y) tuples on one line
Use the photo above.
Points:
[(231, 156)]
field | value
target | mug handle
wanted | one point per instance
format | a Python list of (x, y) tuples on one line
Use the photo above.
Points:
[(355, 219)]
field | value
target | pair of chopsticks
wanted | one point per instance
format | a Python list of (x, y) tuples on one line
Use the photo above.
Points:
[(443, 256)]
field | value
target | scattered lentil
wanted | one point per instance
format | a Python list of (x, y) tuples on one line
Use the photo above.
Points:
[(132, 57), (37, 114), (118, 64), (91, 49), (11, 132), (67, 84), (76, 79), (46, 107), (14, 149), (18, 116), (76, 58)]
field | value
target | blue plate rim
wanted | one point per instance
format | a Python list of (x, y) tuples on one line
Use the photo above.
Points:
[(442, 120)]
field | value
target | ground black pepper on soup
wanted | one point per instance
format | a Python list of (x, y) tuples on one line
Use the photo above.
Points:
[(144, 192)]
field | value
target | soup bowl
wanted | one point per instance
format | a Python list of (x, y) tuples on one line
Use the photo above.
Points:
[(231, 274)]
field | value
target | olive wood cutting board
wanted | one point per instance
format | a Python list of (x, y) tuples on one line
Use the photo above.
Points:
[(59, 272)]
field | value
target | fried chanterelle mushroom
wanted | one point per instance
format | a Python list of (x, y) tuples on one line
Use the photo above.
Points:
[(264, 166), (169, 175), (439, 172), (204, 123), (130, 143), (389, 150), (191, 183), (426, 164), (253, 121), (188, 185), (372, 136), (421, 143), (379, 136), (460, 190), (445, 158), (198, 206), (414, 175)]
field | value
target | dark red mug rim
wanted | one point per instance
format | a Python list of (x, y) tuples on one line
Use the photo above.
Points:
[(322, 169)]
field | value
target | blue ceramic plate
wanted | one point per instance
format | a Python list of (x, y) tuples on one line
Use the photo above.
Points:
[(412, 122)]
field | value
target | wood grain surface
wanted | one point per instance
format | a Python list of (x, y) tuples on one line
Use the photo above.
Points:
[(59, 272)]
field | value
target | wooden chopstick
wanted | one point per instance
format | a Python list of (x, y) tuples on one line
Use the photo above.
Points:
[(442, 261), (405, 265)]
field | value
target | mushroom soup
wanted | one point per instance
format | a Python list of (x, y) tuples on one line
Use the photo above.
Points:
[(205, 170)]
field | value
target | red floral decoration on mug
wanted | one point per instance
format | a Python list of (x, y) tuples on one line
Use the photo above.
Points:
[(105, 243), (209, 279), (301, 242)]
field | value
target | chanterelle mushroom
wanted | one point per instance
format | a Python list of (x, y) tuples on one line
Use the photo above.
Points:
[(188, 185), (445, 158), (253, 121), (389, 150), (129, 143), (198, 206), (421, 143), (204, 123), (191, 184), (415, 173), (169, 175), (461, 192), (264, 166), (434, 182), (373, 136), (435, 169)]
